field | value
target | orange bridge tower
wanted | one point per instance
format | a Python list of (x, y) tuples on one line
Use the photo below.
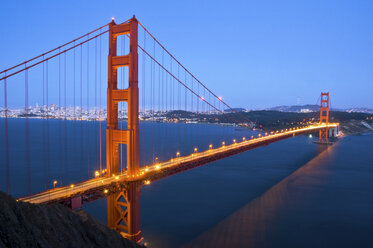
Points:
[(324, 117), (123, 208)]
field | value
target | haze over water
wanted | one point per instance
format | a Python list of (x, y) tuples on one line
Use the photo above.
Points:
[(289, 194)]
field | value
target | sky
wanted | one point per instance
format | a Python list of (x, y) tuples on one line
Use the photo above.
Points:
[(255, 54)]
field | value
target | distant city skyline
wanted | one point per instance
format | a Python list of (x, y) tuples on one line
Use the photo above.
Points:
[(254, 54)]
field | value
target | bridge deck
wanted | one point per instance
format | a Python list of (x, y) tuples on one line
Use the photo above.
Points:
[(98, 187)]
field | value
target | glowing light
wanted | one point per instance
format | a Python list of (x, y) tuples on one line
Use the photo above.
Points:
[(223, 143), (157, 167), (310, 136), (210, 146), (234, 140), (54, 183), (178, 154), (72, 186), (117, 178), (252, 137), (106, 191), (202, 98), (146, 169), (243, 138), (97, 173), (259, 135), (266, 134), (220, 98), (195, 149), (112, 18), (147, 182)]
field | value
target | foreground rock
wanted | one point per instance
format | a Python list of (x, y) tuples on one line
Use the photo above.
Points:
[(38, 225)]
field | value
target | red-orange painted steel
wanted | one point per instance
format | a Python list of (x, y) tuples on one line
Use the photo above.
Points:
[(123, 208), (324, 117)]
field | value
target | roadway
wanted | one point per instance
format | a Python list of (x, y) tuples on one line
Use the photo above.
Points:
[(160, 170)]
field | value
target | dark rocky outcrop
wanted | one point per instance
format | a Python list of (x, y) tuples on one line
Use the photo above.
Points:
[(37, 225)]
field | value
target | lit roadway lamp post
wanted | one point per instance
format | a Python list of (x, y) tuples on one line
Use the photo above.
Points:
[(178, 154), (54, 183), (210, 146)]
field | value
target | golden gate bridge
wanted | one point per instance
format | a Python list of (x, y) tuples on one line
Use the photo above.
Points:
[(145, 82)]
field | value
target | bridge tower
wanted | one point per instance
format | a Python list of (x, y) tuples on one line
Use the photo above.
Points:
[(324, 117), (123, 212)]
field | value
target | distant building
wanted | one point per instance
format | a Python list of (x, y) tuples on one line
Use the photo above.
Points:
[(305, 110), (234, 109)]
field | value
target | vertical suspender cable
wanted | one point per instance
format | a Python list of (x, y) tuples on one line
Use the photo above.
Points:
[(44, 129), (88, 143), (81, 112), (75, 157), (100, 77), (65, 123), (27, 134), (6, 136), (47, 96), (96, 153), (59, 119)]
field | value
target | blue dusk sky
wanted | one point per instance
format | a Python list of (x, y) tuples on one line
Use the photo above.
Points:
[(256, 54)]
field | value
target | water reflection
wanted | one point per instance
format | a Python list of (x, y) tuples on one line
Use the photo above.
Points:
[(251, 225)]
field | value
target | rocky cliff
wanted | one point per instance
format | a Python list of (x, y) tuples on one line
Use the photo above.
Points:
[(37, 225)]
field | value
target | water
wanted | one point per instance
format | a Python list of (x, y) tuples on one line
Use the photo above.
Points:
[(289, 194)]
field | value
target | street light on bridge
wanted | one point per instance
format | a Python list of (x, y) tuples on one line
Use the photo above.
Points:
[(54, 183)]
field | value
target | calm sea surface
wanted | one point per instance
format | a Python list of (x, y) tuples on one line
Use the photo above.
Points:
[(289, 194)]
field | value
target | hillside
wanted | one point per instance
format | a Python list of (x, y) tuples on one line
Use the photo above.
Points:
[(38, 225)]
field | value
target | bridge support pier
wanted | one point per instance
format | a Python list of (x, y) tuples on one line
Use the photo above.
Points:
[(123, 208), (124, 212)]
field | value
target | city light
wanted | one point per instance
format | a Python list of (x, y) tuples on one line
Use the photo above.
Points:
[(147, 182), (177, 154), (210, 146), (106, 191), (97, 173), (243, 138), (54, 183), (72, 186), (196, 149), (223, 143), (234, 140)]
